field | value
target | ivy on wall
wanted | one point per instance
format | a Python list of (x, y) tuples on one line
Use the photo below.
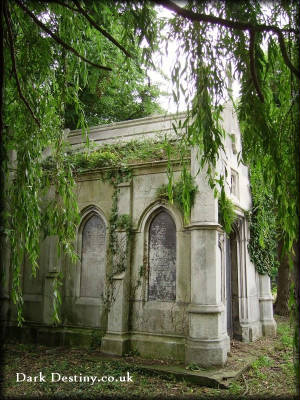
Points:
[(262, 245), (115, 161), (227, 214), (183, 195)]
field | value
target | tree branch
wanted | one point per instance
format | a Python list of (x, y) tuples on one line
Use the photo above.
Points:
[(285, 56), (243, 26), (63, 4), (58, 39), (252, 65), (14, 66), (101, 30)]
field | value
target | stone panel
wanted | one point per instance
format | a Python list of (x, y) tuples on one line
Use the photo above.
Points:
[(93, 258), (162, 258)]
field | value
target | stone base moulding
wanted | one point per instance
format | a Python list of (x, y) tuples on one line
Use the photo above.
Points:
[(207, 352), (115, 343), (150, 346), (159, 346), (268, 323), (269, 328), (248, 332)]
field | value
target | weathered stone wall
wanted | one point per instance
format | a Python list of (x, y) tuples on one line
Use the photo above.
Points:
[(171, 300), (82, 306)]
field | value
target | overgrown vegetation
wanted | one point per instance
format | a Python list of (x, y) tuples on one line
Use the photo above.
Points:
[(47, 76), (119, 155), (118, 245), (57, 301), (182, 194), (115, 162), (227, 215)]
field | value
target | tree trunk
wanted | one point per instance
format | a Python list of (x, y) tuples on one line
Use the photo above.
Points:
[(281, 306)]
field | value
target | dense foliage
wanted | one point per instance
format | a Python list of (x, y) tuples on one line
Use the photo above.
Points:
[(271, 146), (213, 35), (264, 232), (107, 97)]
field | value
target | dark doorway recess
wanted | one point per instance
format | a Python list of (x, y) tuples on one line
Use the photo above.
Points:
[(232, 286)]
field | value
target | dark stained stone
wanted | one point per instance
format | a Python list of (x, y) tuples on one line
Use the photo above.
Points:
[(162, 258), (93, 258)]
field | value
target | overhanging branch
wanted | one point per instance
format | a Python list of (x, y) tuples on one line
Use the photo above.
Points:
[(101, 30), (242, 26), (252, 65), (58, 39)]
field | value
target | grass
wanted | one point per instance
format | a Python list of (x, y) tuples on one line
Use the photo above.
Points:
[(271, 375)]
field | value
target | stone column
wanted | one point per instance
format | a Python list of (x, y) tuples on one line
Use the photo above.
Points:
[(266, 306), (54, 267), (116, 339), (207, 343)]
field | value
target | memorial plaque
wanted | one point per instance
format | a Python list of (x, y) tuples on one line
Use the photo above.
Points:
[(93, 258), (162, 258)]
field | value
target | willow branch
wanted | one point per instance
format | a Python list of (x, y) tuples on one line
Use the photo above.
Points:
[(285, 55), (14, 66), (58, 39), (101, 30), (252, 65), (243, 26)]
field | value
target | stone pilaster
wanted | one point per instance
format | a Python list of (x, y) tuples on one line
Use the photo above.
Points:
[(54, 267), (266, 306), (116, 339), (207, 343)]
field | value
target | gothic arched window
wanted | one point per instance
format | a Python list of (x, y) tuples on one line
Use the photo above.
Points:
[(93, 257), (162, 258)]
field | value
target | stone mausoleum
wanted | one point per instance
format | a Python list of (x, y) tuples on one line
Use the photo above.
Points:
[(187, 288)]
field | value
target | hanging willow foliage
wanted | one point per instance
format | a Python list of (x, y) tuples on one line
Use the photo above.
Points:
[(213, 35), (261, 43), (52, 51)]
